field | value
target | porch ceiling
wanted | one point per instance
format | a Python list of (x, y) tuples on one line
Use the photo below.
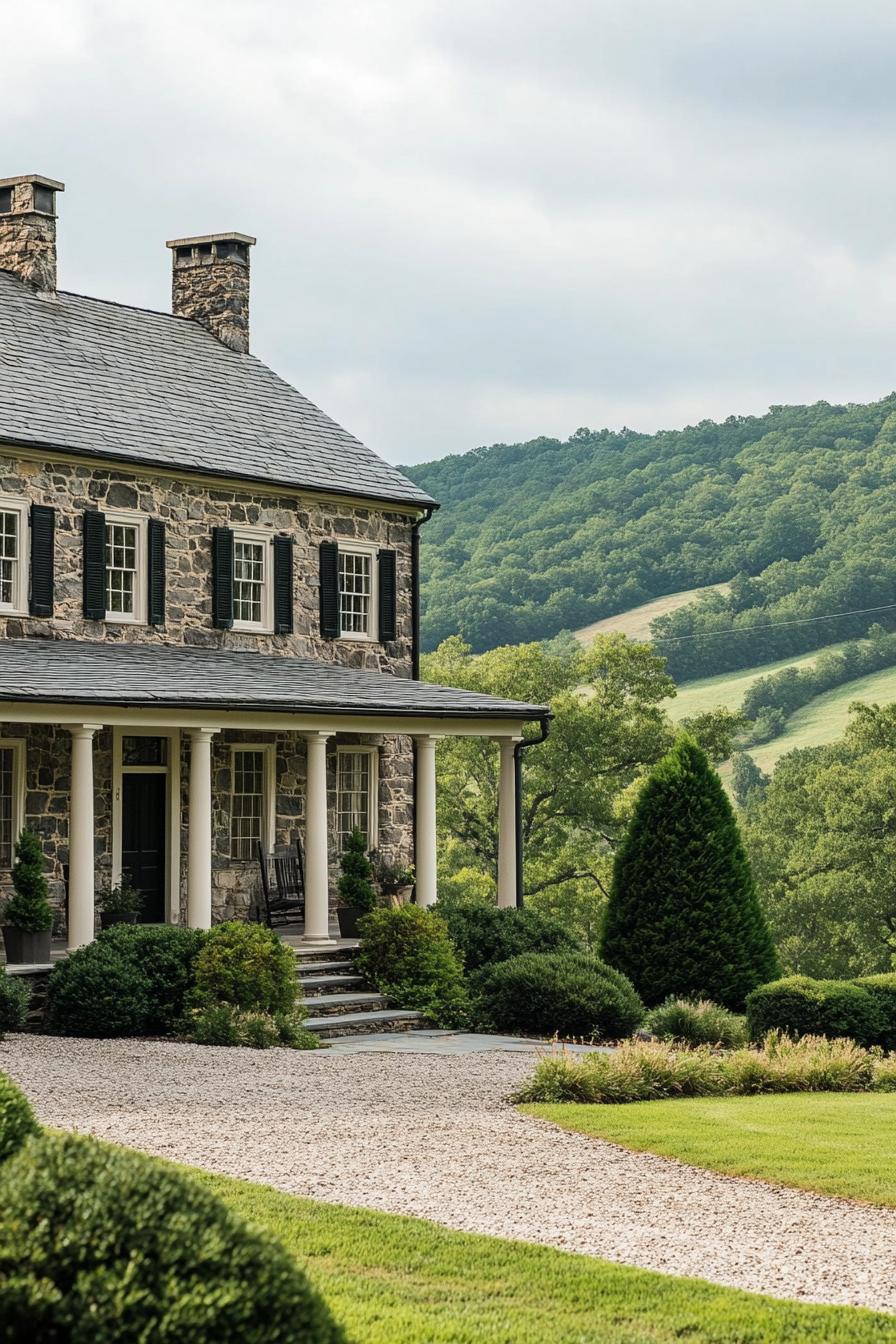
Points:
[(154, 676)]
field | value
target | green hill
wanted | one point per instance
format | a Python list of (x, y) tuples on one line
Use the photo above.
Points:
[(799, 505)]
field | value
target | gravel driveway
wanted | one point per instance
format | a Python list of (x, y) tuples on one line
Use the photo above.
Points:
[(431, 1135)]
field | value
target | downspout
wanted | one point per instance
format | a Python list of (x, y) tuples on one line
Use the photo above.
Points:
[(415, 589), (518, 750)]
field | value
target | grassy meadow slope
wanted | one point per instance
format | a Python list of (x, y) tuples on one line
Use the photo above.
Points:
[(636, 621), (825, 718)]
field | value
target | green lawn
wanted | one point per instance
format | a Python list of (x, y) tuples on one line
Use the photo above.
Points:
[(729, 688), (837, 1144), (394, 1280), (825, 718)]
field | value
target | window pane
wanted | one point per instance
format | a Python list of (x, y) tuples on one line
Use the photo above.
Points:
[(7, 839), (352, 795), (9, 557), (144, 750), (248, 581), (121, 568), (247, 804), (354, 593)]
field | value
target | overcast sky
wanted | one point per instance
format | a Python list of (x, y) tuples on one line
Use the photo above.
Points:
[(484, 220)]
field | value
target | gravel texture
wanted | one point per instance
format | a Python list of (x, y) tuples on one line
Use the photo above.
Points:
[(432, 1135)]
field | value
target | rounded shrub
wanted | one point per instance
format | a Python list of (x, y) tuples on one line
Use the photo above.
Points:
[(569, 994), (15, 997), (484, 934), (104, 1245), (166, 955), (17, 1122), (801, 1006), (248, 966), (882, 988), (407, 954), (697, 1022)]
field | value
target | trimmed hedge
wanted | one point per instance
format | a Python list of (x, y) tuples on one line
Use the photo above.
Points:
[(17, 1122), (485, 934), (104, 1245), (883, 989), (801, 1006), (569, 994), (248, 966), (132, 981), (407, 954), (15, 997)]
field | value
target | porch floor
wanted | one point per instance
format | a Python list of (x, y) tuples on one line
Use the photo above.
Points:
[(292, 936)]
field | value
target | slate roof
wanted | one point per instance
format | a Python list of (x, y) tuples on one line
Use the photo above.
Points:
[(81, 672), (110, 381)]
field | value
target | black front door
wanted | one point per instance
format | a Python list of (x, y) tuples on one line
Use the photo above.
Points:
[(143, 841)]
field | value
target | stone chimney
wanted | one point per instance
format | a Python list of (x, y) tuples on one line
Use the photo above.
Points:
[(210, 284), (28, 229)]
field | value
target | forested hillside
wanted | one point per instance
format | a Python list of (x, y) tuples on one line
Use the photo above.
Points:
[(796, 508)]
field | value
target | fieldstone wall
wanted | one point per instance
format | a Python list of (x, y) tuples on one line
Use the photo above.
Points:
[(213, 289), (28, 240)]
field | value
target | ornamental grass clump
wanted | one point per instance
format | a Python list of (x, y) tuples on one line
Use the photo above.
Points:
[(697, 1022), (656, 1071)]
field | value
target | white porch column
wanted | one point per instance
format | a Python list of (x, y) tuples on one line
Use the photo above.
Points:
[(317, 865), (199, 830), (425, 820), (506, 822), (81, 858)]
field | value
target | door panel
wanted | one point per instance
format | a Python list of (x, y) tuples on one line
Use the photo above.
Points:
[(143, 841)]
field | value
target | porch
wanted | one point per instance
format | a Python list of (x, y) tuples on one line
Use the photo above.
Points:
[(81, 720)]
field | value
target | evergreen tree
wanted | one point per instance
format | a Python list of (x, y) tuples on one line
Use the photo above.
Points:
[(28, 908), (355, 885), (683, 917)]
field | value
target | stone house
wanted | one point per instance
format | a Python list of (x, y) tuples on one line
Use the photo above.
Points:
[(209, 614)]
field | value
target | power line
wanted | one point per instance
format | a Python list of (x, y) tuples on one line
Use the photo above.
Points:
[(775, 625)]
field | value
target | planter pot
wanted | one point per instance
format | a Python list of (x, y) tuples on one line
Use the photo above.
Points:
[(348, 916), (107, 919), (26, 949)]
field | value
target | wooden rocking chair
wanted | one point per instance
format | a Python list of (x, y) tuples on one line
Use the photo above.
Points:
[(282, 885)]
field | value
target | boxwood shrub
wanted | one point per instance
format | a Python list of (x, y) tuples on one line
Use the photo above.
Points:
[(485, 934), (248, 966), (17, 1122), (569, 994), (15, 996), (407, 954), (801, 1006), (883, 990), (104, 1245)]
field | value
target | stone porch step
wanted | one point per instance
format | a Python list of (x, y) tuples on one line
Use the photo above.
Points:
[(340, 951), (319, 984), (358, 1024), (326, 1005), (310, 969)]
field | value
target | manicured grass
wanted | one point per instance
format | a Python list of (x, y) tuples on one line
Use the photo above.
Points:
[(836, 1144), (825, 718), (394, 1280), (729, 688)]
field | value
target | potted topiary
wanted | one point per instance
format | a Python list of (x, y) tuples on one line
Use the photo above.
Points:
[(119, 905), (394, 881), (27, 917), (356, 894)]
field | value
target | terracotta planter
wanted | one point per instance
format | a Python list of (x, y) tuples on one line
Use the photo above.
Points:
[(26, 949)]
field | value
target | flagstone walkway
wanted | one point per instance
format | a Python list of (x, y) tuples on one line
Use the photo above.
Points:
[(431, 1134)]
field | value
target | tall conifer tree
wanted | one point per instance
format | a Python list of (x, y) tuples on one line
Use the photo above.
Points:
[(683, 917)]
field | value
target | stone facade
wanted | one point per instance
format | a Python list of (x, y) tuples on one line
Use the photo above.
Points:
[(190, 510), (210, 285)]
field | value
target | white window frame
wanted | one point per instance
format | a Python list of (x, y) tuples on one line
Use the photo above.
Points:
[(17, 746), (19, 604), (373, 754), (370, 551), (125, 518), (257, 536), (268, 797)]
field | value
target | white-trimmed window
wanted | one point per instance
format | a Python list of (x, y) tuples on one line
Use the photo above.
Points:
[(252, 801), (357, 592), (12, 797), (252, 586), (356, 794), (13, 556), (126, 568)]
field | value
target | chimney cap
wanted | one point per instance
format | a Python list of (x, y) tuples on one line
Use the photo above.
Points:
[(210, 238), (37, 178)]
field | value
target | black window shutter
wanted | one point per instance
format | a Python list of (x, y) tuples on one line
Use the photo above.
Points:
[(43, 532), (156, 568), (386, 561), (329, 590), (94, 565), (283, 586), (222, 577)]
